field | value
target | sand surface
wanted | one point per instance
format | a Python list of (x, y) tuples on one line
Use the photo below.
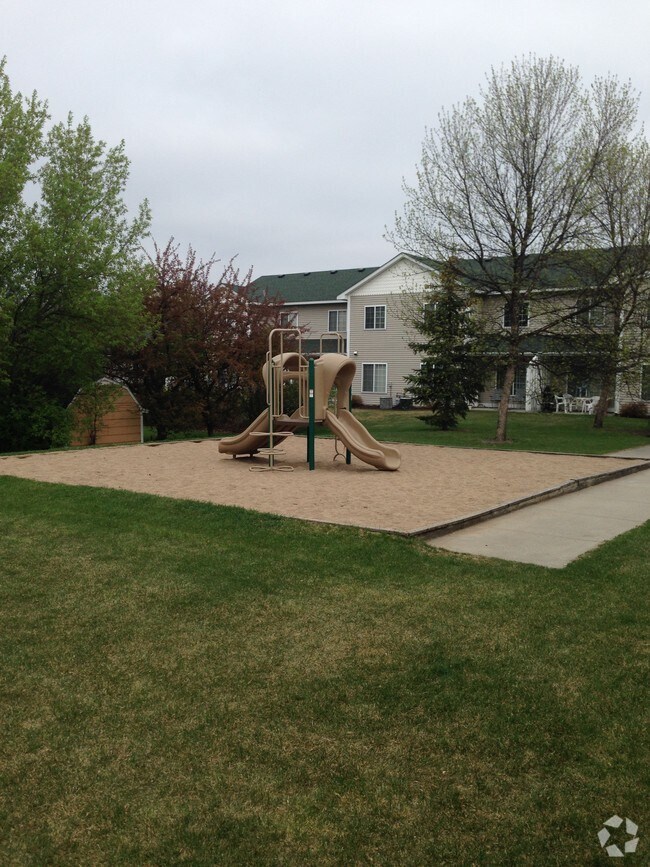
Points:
[(432, 486)]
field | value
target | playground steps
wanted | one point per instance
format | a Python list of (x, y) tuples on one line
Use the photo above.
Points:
[(276, 433), (294, 422)]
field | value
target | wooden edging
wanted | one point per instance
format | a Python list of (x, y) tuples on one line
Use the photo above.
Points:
[(569, 487)]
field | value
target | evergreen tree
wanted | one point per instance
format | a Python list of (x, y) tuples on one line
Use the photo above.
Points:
[(453, 367)]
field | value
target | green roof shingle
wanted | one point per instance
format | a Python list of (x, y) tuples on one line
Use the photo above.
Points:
[(309, 286)]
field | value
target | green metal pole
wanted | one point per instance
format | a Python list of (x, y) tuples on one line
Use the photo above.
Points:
[(348, 453), (271, 385), (311, 457)]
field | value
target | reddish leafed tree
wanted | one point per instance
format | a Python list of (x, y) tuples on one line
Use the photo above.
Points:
[(202, 363)]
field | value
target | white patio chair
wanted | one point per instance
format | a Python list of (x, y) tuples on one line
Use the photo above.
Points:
[(590, 404), (569, 402), (561, 402)]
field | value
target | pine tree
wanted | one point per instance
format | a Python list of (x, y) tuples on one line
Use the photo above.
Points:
[(453, 366)]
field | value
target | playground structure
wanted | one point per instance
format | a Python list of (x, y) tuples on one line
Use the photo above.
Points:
[(317, 378)]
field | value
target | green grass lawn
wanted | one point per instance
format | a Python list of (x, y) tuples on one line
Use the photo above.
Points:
[(184, 683), (553, 432)]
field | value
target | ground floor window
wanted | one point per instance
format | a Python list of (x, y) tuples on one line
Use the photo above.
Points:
[(375, 377), (645, 382), (583, 387), (518, 387)]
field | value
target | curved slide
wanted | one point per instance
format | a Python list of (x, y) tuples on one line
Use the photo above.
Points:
[(355, 437), (248, 441)]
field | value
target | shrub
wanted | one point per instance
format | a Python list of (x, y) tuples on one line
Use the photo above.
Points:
[(548, 399), (357, 401), (634, 409)]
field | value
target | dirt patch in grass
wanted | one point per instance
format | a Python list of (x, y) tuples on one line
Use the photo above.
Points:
[(433, 485)]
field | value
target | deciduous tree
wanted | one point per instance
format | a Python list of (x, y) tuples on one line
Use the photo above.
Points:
[(204, 355), (505, 184), (73, 274), (619, 220), (21, 143)]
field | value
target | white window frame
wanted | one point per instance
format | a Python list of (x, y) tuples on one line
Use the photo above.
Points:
[(338, 314), (374, 327), (645, 382), (524, 313), (597, 316), (429, 307), (292, 320), (520, 374), (374, 365), (594, 316)]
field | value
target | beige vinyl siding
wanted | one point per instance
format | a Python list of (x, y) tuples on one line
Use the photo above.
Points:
[(633, 387), (315, 317), (402, 276), (387, 345)]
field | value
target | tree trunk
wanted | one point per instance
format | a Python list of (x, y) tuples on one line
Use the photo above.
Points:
[(502, 423), (161, 432), (601, 410)]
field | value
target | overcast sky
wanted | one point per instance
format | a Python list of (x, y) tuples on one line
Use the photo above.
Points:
[(281, 131)]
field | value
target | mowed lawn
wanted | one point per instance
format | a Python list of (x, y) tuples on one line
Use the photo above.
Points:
[(552, 432), (184, 683)]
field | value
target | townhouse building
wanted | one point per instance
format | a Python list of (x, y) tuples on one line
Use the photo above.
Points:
[(367, 307)]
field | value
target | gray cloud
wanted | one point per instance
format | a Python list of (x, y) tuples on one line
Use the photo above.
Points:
[(280, 131)]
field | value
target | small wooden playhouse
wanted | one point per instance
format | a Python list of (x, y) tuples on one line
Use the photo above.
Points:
[(118, 417)]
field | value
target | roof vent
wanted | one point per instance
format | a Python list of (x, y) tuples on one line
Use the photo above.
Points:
[(280, 276), (306, 274), (334, 272)]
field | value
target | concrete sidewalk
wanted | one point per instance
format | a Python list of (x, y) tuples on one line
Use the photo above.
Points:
[(555, 532)]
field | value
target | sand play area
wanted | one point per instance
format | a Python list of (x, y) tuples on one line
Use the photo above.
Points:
[(434, 485)]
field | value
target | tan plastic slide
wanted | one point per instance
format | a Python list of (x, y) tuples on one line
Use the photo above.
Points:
[(331, 371), (356, 437), (248, 441)]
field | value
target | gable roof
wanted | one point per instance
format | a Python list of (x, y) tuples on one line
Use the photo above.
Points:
[(310, 287), (106, 380), (375, 272)]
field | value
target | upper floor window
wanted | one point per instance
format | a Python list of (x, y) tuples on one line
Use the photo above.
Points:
[(375, 317), (590, 314), (288, 319), (337, 320), (522, 319)]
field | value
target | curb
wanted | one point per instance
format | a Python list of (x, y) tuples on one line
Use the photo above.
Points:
[(569, 487)]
